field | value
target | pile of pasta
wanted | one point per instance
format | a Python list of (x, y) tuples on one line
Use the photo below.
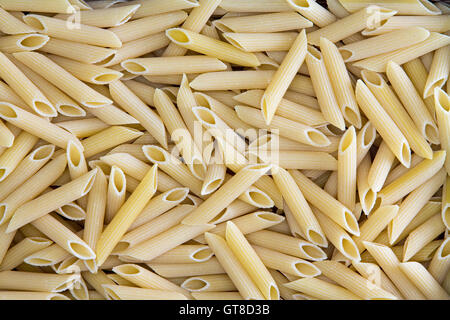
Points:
[(224, 149)]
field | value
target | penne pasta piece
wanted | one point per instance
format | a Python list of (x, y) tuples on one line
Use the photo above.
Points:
[(386, 42), (83, 128), (283, 77), (412, 204), (185, 254), (353, 281), (32, 187), (328, 205), (115, 292), (126, 215), (16, 254), (442, 105), (153, 228), (269, 22), (6, 137), (412, 102), (76, 161), (367, 196), (183, 270), (173, 65), (59, 6), (383, 123), (321, 289), (351, 24), (72, 211), (285, 263), (299, 207), (423, 280), (95, 210), (25, 169), (87, 72), (43, 205), (313, 11), (323, 88), (390, 264), (24, 42), (400, 56), (254, 6), (440, 263), (439, 23), (412, 7), (286, 128), (132, 104), (258, 42), (214, 177), (211, 47), (154, 7), (11, 158), (340, 81), (33, 281), (146, 279), (57, 28), (208, 283), (421, 236), (382, 163), (116, 192), (439, 71), (163, 242), (391, 104), (445, 211), (374, 274), (62, 79), (64, 237), (251, 262), (412, 179), (104, 18), (226, 194), (346, 169), (12, 25), (195, 21)]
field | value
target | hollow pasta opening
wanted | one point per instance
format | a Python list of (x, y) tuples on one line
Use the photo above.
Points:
[(273, 293), (213, 185), (195, 284), (121, 246), (44, 109), (73, 212), (313, 252), (346, 142), (306, 269), (74, 155), (39, 262), (300, 3), (107, 59), (317, 137), (34, 23), (2, 174), (134, 67), (351, 116), (222, 27), (43, 153), (371, 77), (71, 111), (202, 255), (206, 116), (269, 216), (431, 133), (118, 181), (351, 222), (176, 195), (33, 42), (349, 248), (369, 135), (445, 253), (177, 36), (81, 251), (155, 154), (315, 53), (128, 269), (406, 155), (316, 238), (261, 199), (443, 100), (111, 294), (346, 54), (106, 78)]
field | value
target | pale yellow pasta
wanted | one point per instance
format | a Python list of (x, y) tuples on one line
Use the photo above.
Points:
[(11, 158), (126, 215), (154, 227), (442, 105), (254, 5), (52, 200), (439, 23), (313, 11), (32, 187), (340, 82), (283, 76), (48, 256), (29, 295), (138, 109), (323, 88), (116, 292), (147, 279), (87, 72), (195, 21), (211, 47), (440, 262), (185, 253), (179, 271), (379, 63), (270, 22), (326, 203), (412, 204), (217, 295), (445, 211), (34, 161), (153, 7), (33, 281), (321, 289), (383, 123), (367, 196), (214, 178), (26, 42), (104, 18), (64, 237), (391, 104), (412, 7), (259, 42), (16, 254), (165, 241), (76, 161), (62, 79), (346, 169), (423, 280), (85, 34), (421, 236), (390, 264), (412, 102), (209, 283), (11, 25), (58, 6), (353, 281), (412, 179)]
